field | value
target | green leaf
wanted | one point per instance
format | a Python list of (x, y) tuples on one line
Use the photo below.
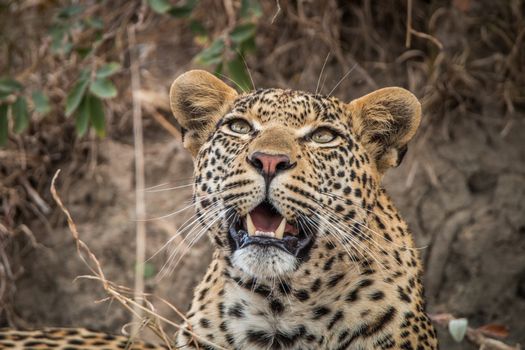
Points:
[(70, 11), (57, 32), (159, 6), (84, 74), (250, 8), (10, 85), (41, 102), (96, 110), (243, 32), (75, 95), (84, 51), (149, 270), (458, 328), (239, 74), (212, 54), (248, 45), (95, 22), (197, 28), (108, 70), (82, 117), (180, 12), (218, 70), (3, 124), (103, 88), (20, 114), (4, 95), (183, 11)]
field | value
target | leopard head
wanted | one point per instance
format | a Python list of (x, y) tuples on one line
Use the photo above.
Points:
[(281, 173)]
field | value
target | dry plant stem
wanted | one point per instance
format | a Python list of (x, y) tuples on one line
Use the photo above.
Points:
[(278, 4), (408, 38), (140, 207), (410, 30), (165, 123), (120, 293), (475, 336)]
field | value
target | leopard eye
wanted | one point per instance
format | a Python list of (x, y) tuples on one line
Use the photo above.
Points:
[(240, 126), (323, 135)]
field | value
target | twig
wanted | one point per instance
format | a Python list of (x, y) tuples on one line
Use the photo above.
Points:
[(164, 123), (276, 12), (120, 293), (230, 13), (140, 208), (475, 336), (408, 37), (40, 203), (410, 31)]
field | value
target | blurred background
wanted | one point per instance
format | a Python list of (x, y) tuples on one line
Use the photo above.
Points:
[(67, 93)]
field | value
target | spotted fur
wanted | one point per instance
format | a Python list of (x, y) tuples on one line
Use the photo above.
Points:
[(359, 287), (69, 339), (359, 284)]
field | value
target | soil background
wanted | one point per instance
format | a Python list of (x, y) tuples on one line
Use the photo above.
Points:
[(461, 186)]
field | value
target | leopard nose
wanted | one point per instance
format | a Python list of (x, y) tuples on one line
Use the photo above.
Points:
[(270, 164)]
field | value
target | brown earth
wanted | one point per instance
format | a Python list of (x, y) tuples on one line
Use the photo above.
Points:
[(461, 188)]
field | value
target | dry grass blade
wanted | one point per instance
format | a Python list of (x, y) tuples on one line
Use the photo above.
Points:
[(140, 206), (411, 31), (122, 294)]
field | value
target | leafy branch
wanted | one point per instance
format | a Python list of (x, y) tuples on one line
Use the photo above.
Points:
[(76, 30)]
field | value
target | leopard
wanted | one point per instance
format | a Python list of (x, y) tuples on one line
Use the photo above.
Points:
[(309, 251)]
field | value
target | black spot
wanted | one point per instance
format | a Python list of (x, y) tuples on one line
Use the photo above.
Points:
[(338, 316), (237, 310), (316, 285), (320, 312), (334, 280), (328, 264), (205, 323), (377, 295), (276, 306), (302, 295)]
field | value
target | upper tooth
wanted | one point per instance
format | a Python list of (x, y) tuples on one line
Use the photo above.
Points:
[(279, 233), (249, 225)]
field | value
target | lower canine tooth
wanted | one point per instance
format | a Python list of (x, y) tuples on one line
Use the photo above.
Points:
[(279, 233)]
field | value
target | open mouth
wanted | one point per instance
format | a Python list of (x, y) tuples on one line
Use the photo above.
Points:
[(265, 226)]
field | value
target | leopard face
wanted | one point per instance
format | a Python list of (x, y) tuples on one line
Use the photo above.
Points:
[(277, 172)]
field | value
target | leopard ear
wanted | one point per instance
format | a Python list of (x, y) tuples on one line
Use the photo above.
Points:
[(198, 100), (385, 120)]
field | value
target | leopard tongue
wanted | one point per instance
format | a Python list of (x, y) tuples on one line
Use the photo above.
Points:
[(265, 228)]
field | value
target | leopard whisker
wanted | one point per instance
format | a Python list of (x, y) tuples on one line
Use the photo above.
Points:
[(370, 239), (377, 214), (169, 266), (321, 74), (187, 225), (342, 237), (347, 237), (319, 229), (178, 211), (196, 238), (342, 79), (183, 228), (170, 188)]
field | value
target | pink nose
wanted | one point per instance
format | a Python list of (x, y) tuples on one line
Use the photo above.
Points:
[(269, 164)]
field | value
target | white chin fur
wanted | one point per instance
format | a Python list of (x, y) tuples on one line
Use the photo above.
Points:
[(264, 262)]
